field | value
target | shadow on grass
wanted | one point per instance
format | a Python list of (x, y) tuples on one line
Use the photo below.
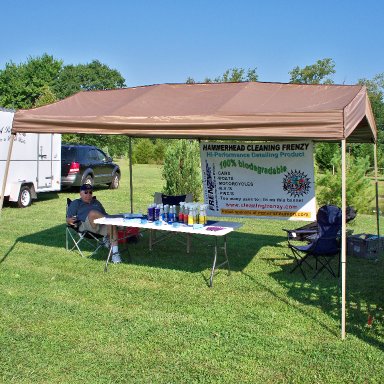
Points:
[(46, 196), (365, 285), (171, 254), (2, 260), (42, 196), (365, 282)]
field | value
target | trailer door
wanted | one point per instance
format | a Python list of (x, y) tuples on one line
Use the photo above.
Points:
[(44, 161)]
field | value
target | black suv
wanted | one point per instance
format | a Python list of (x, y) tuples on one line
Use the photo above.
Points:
[(82, 164)]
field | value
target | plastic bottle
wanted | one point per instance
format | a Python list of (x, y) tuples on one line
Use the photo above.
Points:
[(190, 216), (157, 212), (185, 214), (174, 214), (151, 212), (170, 214), (202, 215), (181, 213), (166, 213)]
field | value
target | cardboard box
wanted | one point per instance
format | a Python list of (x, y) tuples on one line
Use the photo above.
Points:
[(365, 245)]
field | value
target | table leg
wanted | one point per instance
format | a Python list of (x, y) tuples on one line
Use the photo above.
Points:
[(188, 242), (213, 265), (150, 239), (225, 253)]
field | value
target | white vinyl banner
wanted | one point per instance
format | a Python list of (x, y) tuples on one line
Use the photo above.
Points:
[(269, 180)]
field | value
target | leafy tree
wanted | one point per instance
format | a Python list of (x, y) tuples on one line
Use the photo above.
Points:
[(324, 154), (113, 145), (117, 145), (233, 75), (87, 77), (21, 85), (360, 191), (181, 170), (375, 88), (142, 151), (46, 97), (314, 74), (159, 150)]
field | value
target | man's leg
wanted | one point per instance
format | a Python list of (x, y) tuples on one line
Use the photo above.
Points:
[(93, 215), (114, 242), (112, 234)]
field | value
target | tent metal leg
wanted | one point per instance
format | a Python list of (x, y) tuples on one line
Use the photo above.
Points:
[(130, 174), (377, 193), (343, 236)]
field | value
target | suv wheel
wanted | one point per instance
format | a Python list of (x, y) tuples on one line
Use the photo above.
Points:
[(88, 180), (115, 181)]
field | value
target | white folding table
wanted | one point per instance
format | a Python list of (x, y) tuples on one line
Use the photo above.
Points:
[(216, 230)]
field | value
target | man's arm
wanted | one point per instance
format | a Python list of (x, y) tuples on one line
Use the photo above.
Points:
[(72, 213)]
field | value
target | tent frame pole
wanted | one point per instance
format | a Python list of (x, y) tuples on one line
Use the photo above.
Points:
[(343, 236), (6, 170), (130, 173), (377, 190)]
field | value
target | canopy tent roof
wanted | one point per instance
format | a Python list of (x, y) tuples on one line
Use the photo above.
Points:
[(252, 110)]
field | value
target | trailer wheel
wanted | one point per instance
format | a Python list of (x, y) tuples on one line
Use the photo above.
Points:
[(25, 197)]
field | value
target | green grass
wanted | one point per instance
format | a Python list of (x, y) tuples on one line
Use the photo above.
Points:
[(154, 320)]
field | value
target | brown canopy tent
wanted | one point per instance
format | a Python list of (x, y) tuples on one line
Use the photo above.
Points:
[(251, 111), (224, 110)]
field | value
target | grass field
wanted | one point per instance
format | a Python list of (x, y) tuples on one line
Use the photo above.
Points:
[(154, 319)]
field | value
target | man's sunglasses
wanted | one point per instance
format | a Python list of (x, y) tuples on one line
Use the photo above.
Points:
[(86, 192)]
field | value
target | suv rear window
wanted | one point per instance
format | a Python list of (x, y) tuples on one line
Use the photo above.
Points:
[(69, 154)]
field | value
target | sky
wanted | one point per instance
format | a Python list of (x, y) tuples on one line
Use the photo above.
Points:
[(167, 41)]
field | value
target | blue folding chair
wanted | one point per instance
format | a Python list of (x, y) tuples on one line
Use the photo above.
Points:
[(323, 246)]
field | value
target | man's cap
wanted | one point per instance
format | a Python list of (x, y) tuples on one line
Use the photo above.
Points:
[(86, 187)]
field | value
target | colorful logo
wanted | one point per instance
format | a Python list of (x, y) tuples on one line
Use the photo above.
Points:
[(296, 183)]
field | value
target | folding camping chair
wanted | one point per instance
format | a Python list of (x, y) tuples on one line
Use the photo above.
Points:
[(323, 246), (309, 231), (74, 237)]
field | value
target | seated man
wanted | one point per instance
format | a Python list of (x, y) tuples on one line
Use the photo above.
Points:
[(87, 209)]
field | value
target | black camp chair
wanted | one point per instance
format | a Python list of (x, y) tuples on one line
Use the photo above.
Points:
[(324, 245), (161, 198), (309, 231), (74, 237)]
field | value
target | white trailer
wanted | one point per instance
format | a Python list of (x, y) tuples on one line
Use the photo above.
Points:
[(35, 165)]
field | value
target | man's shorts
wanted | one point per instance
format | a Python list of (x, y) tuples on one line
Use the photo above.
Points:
[(101, 229)]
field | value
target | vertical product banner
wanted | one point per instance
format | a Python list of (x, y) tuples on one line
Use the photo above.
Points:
[(268, 180)]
